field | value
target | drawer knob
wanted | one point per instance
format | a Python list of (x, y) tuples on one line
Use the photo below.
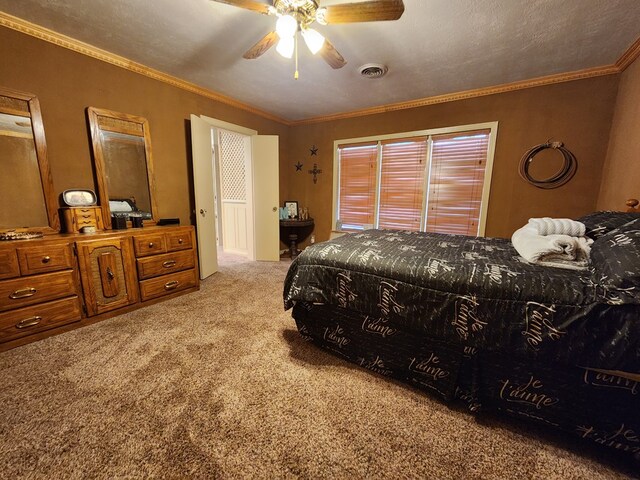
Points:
[(29, 322), (23, 293), (169, 264), (46, 259), (151, 244), (171, 285), (180, 241)]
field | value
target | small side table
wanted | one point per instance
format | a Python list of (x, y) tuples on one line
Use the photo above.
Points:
[(292, 228)]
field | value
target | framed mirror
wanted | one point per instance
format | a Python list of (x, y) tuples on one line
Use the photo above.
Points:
[(27, 199), (124, 165)]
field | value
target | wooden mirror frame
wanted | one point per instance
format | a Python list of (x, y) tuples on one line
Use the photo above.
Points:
[(127, 124), (32, 104)]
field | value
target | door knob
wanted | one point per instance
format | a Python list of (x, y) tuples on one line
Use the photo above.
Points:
[(275, 209), (203, 212)]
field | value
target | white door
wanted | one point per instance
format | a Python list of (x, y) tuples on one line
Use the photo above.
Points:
[(203, 181), (266, 194)]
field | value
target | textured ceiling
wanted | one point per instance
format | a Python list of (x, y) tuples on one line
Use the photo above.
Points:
[(437, 47)]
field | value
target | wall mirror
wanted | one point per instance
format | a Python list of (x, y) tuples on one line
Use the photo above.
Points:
[(124, 166), (27, 199)]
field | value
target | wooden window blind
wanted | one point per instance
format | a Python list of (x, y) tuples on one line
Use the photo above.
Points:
[(357, 185), (402, 183), (456, 181)]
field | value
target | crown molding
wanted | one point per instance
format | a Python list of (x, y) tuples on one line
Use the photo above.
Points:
[(42, 33), (628, 57), (467, 94)]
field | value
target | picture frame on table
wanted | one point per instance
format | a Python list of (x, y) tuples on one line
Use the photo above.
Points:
[(291, 206)]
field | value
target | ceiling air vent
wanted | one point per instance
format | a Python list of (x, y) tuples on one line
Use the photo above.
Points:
[(373, 70)]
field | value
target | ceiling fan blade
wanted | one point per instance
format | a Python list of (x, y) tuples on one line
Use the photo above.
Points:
[(371, 11), (330, 55), (265, 43), (249, 5)]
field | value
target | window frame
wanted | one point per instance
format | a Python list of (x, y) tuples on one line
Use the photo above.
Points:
[(486, 186)]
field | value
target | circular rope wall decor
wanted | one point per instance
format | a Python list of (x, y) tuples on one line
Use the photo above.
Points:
[(562, 176)]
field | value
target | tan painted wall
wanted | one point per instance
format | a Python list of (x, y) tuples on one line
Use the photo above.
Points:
[(66, 83), (578, 113), (621, 174)]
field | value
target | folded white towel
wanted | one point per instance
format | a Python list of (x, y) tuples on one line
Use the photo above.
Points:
[(558, 226), (562, 251)]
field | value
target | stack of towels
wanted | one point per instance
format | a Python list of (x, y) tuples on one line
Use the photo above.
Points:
[(553, 242)]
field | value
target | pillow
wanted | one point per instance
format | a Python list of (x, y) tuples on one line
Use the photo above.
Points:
[(601, 223), (615, 263)]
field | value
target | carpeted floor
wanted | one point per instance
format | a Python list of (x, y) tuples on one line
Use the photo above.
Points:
[(218, 384)]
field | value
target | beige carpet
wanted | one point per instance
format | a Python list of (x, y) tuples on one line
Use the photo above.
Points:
[(218, 384)]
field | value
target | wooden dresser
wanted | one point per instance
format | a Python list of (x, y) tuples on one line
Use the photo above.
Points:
[(60, 282)]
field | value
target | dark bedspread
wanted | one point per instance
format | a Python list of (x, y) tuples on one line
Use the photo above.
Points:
[(472, 291)]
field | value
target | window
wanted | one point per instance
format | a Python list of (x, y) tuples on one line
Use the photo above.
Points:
[(435, 181), (357, 198)]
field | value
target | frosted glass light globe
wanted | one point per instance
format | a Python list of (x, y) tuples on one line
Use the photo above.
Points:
[(286, 26)]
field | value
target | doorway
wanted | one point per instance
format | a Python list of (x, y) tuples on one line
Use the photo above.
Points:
[(236, 191)]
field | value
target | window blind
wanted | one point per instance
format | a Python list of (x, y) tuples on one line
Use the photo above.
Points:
[(357, 185), (455, 182), (402, 183)]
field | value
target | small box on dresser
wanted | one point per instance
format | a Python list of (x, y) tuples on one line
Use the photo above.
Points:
[(76, 218)]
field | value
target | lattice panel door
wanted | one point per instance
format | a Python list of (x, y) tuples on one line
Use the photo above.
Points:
[(232, 165)]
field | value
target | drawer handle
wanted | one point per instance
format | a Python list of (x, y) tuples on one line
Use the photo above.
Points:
[(169, 264), (29, 322), (171, 285), (180, 241), (23, 293), (151, 244), (110, 274), (46, 259)]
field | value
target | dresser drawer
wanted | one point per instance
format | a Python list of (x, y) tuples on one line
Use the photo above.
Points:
[(167, 263), (21, 292), (9, 264), (150, 244), (37, 318), (45, 258), (166, 284), (179, 241)]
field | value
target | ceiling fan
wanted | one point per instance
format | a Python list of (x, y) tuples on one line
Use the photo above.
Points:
[(294, 15)]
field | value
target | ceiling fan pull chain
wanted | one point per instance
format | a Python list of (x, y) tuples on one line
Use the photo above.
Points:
[(295, 75)]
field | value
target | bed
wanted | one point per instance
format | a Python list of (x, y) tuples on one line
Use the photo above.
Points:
[(467, 319)]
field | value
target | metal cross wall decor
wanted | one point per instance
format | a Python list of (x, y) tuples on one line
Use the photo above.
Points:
[(315, 172)]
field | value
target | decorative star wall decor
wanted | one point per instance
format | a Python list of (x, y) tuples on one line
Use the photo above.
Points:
[(315, 172), (299, 166), (314, 150)]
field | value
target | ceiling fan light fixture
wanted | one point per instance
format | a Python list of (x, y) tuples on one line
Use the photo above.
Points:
[(286, 26), (285, 47), (313, 39)]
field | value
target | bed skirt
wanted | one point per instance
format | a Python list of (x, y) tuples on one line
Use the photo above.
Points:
[(599, 407)]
